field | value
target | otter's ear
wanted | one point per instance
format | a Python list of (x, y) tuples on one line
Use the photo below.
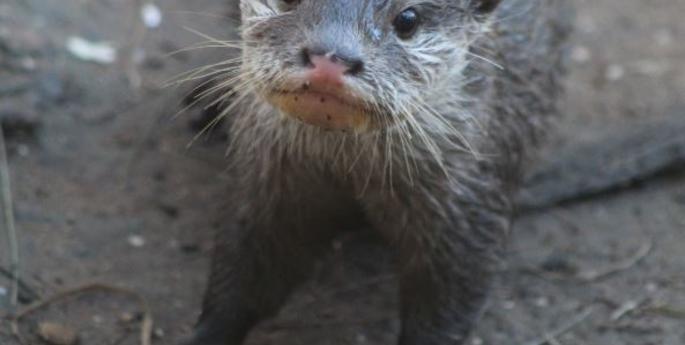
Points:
[(484, 6)]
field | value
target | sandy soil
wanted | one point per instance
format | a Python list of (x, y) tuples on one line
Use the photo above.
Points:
[(106, 191)]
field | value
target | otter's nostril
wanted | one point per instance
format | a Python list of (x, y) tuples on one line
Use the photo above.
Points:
[(306, 58), (355, 66)]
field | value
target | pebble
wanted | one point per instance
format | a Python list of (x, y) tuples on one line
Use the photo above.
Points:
[(23, 150), (28, 63), (126, 317), (136, 241), (98, 319), (652, 287), (158, 333), (615, 72), (151, 15), (57, 334), (580, 54), (99, 52), (541, 302)]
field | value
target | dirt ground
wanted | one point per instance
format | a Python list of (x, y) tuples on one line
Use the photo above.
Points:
[(106, 191)]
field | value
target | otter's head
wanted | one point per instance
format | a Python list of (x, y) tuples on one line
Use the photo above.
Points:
[(356, 64)]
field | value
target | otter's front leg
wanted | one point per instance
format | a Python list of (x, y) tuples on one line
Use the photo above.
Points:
[(447, 256), (254, 269)]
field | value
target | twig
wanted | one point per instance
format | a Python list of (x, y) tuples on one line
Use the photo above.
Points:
[(666, 311), (8, 213), (551, 336), (594, 275), (627, 308), (146, 323)]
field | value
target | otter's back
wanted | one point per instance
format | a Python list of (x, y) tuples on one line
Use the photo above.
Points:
[(527, 41)]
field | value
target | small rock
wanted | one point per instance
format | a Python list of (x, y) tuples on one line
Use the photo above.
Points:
[(98, 319), (151, 15), (57, 334), (98, 52), (126, 317), (158, 333), (580, 54), (23, 150), (136, 241), (652, 287), (28, 63), (541, 302), (615, 72)]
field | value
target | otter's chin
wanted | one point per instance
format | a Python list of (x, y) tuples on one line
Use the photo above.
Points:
[(323, 110)]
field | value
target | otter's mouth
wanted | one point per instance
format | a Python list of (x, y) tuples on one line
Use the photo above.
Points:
[(325, 109)]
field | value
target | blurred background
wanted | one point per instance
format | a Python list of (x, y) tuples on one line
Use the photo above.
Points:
[(105, 188)]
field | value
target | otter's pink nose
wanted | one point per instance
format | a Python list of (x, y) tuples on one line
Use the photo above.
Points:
[(326, 71), (329, 69)]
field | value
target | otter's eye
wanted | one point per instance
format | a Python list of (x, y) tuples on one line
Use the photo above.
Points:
[(287, 5), (406, 23), (290, 2)]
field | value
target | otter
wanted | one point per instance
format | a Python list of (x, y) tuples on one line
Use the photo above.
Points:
[(411, 118)]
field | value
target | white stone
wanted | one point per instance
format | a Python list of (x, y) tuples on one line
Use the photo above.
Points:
[(151, 15), (136, 241)]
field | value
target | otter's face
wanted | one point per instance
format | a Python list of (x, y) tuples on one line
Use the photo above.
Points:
[(356, 64)]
